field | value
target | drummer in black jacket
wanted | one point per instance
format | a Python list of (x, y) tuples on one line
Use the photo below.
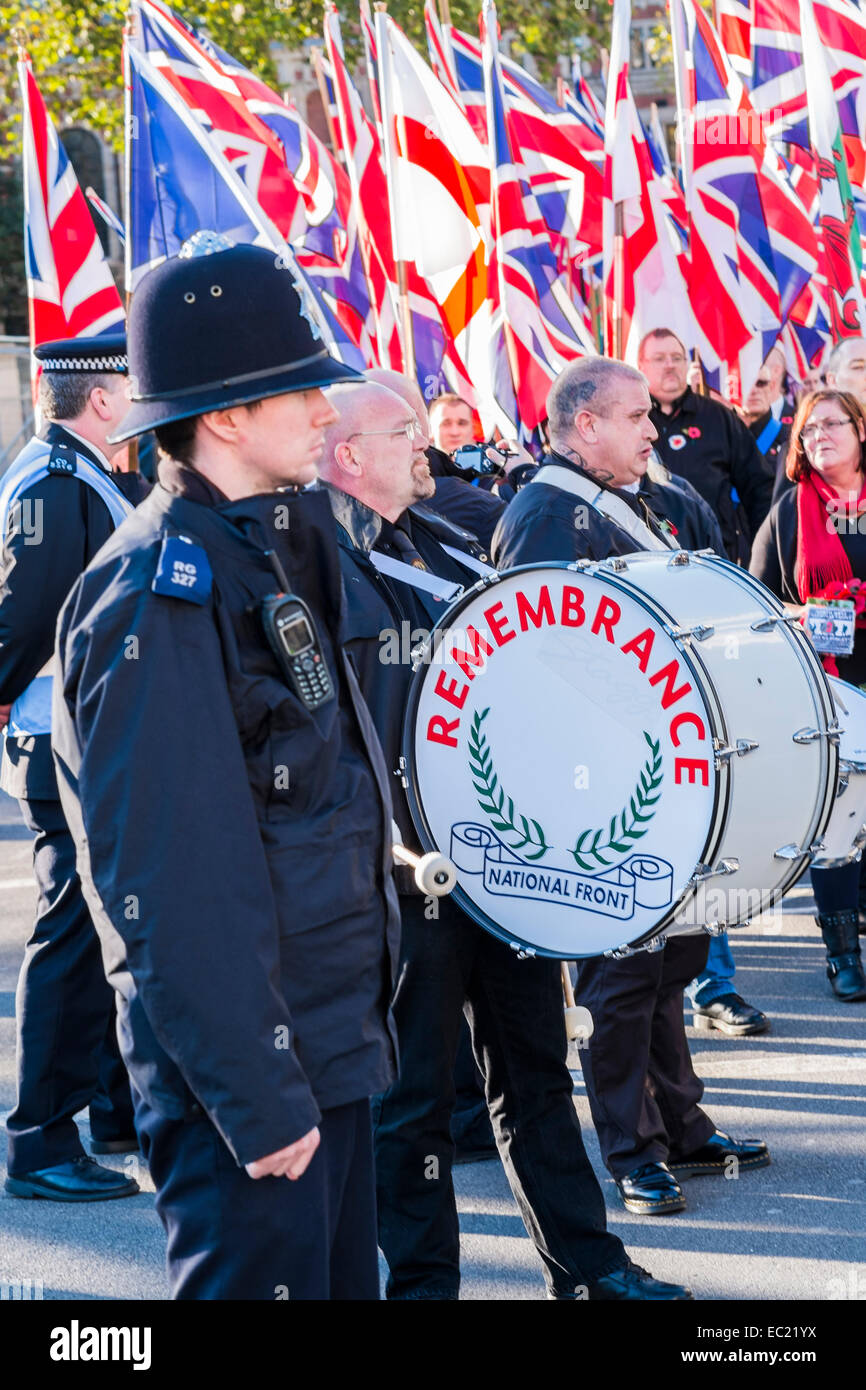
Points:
[(642, 1088), (703, 440), (229, 801), (399, 579)]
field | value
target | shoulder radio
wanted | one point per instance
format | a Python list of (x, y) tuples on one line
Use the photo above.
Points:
[(291, 631)]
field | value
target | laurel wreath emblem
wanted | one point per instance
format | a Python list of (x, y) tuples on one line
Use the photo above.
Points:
[(623, 831), (493, 800)]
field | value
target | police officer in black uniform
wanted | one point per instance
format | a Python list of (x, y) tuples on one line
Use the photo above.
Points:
[(229, 799), (400, 565), (60, 501), (642, 1088)]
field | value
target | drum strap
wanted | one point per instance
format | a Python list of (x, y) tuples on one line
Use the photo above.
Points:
[(470, 561), (601, 500), (419, 579)]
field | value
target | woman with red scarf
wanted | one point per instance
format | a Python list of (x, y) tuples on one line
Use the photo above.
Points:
[(813, 546)]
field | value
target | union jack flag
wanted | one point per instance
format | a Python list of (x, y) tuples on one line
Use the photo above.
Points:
[(734, 25), (643, 262), (841, 260), (752, 246), (180, 180), (70, 289), (360, 147), (283, 166), (543, 329), (560, 149)]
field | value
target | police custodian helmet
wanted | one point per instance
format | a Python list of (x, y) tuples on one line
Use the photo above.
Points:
[(220, 325)]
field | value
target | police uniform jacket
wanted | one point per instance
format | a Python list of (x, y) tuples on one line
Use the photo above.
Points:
[(545, 522), (71, 522), (383, 613), (705, 442), (234, 847)]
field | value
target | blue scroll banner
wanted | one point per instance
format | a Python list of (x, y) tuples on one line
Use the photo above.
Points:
[(642, 880)]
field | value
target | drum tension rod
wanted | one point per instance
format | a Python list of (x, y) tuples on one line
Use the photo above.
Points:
[(766, 624), (522, 952), (724, 751), (724, 866), (790, 852), (619, 953), (700, 632), (809, 735)]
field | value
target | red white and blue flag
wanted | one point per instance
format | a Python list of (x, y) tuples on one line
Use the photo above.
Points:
[(643, 256), (70, 289), (543, 329), (752, 245)]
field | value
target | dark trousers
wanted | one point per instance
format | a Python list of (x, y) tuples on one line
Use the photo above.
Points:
[(515, 1012), (68, 1058), (838, 890), (642, 1087), (272, 1239)]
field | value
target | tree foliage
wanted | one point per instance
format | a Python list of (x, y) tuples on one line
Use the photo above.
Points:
[(75, 45)]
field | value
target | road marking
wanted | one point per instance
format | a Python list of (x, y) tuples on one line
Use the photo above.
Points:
[(17, 883)]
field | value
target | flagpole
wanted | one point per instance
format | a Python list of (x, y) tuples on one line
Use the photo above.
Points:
[(444, 11), (316, 58), (618, 277), (128, 135), (386, 102)]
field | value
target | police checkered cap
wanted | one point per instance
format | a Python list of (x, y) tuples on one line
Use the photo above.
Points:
[(106, 353)]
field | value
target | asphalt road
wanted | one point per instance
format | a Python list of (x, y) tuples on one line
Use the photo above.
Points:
[(795, 1230)]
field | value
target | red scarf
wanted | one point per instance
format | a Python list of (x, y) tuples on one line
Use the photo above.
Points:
[(821, 558)]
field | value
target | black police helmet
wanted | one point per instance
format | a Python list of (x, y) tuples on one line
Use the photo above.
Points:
[(220, 325)]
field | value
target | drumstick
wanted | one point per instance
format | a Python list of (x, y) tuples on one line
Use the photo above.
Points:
[(566, 984), (578, 1020)]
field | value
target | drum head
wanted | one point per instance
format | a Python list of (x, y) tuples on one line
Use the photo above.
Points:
[(559, 748)]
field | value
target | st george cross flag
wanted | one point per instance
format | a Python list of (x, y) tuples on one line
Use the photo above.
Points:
[(70, 289), (438, 185)]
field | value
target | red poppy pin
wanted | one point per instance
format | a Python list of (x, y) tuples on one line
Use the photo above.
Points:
[(786, 420), (693, 432)]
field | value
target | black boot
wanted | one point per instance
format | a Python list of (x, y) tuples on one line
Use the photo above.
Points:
[(844, 965)]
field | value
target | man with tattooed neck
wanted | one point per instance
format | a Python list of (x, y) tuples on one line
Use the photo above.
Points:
[(584, 503)]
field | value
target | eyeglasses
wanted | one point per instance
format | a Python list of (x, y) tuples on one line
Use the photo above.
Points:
[(762, 383), (809, 432), (412, 430), (675, 360)]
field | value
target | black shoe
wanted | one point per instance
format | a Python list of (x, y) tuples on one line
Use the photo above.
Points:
[(114, 1146), (844, 963), (651, 1190), (730, 1014), (717, 1155), (82, 1180), (631, 1283)]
